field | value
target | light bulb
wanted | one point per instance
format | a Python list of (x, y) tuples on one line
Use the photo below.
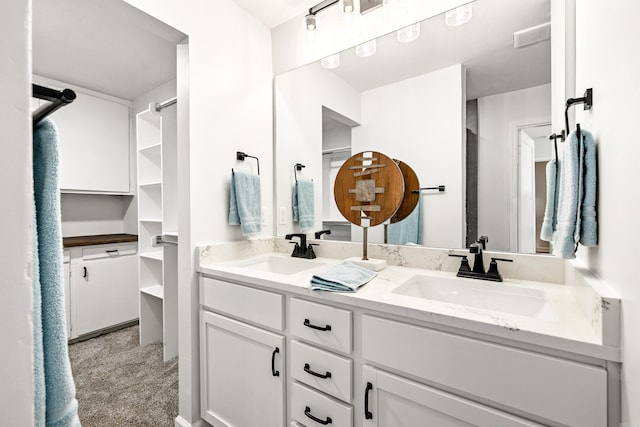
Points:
[(347, 6), (366, 49), (330, 62), (310, 21), (459, 15), (408, 34)]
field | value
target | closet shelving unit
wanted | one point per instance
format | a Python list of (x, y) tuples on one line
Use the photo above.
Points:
[(157, 215)]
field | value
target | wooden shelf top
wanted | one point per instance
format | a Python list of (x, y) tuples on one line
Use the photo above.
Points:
[(98, 239)]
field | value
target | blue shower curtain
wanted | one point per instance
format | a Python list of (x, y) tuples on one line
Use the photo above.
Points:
[(55, 402)]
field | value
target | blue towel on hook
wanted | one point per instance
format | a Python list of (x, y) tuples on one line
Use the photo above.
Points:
[(245, 205), (550, 211), (344, 277), (303, 208), (576, 196), (589, 225), (55, 405), (406, 231)]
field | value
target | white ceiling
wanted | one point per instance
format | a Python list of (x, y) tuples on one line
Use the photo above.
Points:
[(104, 45), (275, 12), (484, 45)]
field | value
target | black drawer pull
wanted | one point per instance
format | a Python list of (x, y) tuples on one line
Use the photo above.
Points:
[(308, 324), (367, 414), (308, 370), (84, 272), (273, 362), (307, 412)]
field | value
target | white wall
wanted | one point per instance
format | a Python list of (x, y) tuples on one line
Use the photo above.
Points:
[(294, 46), (498, 117), (16, 357), (87, 214), (607, 43), (299, 97), (421, 121), (230, 109)]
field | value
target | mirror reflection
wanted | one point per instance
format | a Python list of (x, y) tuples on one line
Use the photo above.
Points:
[(467, 107)]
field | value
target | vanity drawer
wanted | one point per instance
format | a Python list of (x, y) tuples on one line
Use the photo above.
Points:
[(322, 370), (321, 324), (307, 404), (106, 251), (566, 392), (254, 305)]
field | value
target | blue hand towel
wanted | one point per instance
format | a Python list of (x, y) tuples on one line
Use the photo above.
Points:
[(344, 277), (406, 231), (245, 203), (576, 196), (550, 211), (303, 210), (589, 226), (51, 353)]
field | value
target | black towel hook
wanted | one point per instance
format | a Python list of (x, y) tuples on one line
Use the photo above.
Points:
[(587, 100), (241, 156), (296, 168)]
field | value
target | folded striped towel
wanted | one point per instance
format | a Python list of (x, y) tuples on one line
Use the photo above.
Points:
[(344, 277)]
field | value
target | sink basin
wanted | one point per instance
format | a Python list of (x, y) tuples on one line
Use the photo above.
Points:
[(479, 294), (280, 265)]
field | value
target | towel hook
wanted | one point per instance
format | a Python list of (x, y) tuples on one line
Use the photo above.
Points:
[(296, 168), (241, 156), (587, 100)]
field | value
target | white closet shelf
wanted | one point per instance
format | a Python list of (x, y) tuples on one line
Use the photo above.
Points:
[(157, 256), (150, 220), (155, 291), (151, 150), (150, 184)]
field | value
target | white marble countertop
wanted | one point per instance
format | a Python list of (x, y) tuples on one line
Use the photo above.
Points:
[(568, 329)]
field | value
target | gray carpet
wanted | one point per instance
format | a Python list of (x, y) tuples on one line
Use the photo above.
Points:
[(119, 383)]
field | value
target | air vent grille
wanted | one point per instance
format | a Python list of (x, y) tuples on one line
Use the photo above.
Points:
[(532, 35)]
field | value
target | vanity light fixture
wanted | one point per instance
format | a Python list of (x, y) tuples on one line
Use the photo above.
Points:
[(330, 62), (408, 34), (310, 18), (459, 15), (366, 49), (347, 6)]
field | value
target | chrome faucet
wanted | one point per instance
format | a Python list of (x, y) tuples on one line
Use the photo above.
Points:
[(301, 250), (478, 271)]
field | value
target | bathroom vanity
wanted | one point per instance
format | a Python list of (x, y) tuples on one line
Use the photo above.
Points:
[(404, 350)]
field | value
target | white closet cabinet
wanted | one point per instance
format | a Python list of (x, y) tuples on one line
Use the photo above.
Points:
[(105, 293), (242, 373), (391, 400), (94, 135)]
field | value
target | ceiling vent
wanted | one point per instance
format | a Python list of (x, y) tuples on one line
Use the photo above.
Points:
[(532, 35)]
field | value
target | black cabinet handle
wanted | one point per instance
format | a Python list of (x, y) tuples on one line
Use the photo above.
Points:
[(273, 363), (84, 272), (112, 252), (308, 324), (367, 414), (308, 370), (307, 412)]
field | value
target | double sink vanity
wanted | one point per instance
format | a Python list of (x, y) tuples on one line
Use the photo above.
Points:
[(415, 346)]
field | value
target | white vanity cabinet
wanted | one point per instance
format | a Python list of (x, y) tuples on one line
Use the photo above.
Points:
[(348, 365), (391, 400), (242, 365)]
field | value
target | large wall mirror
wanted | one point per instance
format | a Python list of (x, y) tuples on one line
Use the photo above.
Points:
[(462, 105)]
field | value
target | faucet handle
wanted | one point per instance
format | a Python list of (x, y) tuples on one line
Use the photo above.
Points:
[(483, 241), (493, 273), (464, 262)]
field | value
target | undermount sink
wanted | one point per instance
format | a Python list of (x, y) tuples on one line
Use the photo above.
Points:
[(280, 265), (479, 294)]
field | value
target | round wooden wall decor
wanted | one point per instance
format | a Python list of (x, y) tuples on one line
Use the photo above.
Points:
[(369, 184), (411, 192)]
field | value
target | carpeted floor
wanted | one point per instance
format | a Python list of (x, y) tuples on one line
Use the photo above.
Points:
[(119, 383)]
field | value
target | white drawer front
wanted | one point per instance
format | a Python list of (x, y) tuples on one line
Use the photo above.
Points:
[(254, 305), (321, 324), (106, 251), (322, 370), (566, 392), (307, 404)]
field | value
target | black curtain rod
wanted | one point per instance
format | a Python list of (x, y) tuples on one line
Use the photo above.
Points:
[(56, 98)]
